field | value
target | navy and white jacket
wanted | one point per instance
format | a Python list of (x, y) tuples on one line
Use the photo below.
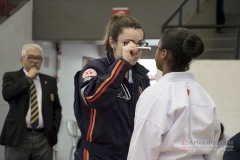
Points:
[(105, 102)]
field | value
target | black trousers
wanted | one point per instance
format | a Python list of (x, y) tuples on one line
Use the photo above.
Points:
[(220, 17)]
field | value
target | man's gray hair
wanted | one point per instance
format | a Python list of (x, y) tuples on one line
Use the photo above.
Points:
[(30, 46)]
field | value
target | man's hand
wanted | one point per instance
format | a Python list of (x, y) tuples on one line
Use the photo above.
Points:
[(33, 72)]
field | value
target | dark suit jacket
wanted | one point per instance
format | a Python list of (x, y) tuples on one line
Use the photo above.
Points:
[(15, 90)]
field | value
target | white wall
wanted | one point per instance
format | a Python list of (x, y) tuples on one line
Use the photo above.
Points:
[(221, 79)]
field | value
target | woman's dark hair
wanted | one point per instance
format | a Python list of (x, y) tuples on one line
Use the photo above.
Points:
[(115, 27), (184, 46)]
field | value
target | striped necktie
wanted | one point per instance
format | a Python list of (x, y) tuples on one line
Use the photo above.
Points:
[(34, 106)]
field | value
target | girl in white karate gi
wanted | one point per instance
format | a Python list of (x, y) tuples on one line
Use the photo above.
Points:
[(176, 118)]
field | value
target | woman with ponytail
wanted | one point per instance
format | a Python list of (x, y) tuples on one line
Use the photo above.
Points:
[(107, 90)]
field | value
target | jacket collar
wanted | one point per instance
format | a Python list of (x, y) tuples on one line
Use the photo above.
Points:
[(110, 58)]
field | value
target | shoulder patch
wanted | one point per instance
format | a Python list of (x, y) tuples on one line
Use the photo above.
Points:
[(89, 73)]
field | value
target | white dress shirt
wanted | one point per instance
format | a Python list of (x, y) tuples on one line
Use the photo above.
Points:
[(37, 84), (175, 120)]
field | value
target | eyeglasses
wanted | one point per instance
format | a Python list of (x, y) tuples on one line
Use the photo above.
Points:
[(31, 58), (139, 44)]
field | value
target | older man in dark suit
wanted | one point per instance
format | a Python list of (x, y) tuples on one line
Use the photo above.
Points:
[(32, 123)]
